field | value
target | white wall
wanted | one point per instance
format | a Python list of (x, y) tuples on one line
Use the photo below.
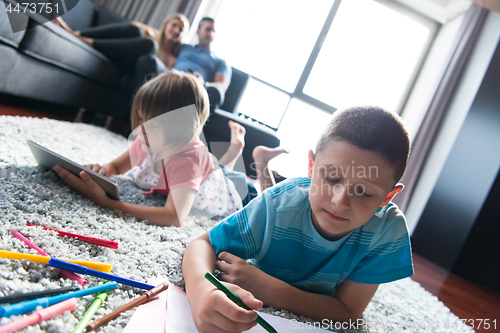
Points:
[(430, 75), (459, 107)]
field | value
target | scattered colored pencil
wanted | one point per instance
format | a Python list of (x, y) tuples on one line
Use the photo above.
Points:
[(91, 240), (65, 274)]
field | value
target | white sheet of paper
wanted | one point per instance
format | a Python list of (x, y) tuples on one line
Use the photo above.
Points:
[(179, 319), (150, 317)]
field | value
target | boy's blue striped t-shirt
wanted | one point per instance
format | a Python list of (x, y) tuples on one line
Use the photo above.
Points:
[(276, 230)]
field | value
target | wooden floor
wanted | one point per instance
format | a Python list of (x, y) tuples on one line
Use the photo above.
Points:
[(466, 300), (14, 106), (6, 110), (470, 302)]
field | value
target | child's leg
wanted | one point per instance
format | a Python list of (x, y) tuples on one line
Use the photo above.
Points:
[(262, 155), (236, 147)]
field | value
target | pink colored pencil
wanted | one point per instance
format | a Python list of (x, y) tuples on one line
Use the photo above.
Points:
[(91, 240), (31, 245), (39, 316)]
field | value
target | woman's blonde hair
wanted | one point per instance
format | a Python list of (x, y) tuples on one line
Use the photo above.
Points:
[(168, 92), (161, 36)]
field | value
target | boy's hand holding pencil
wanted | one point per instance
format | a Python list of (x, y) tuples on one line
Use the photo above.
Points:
[(233, 297), (212, 309)]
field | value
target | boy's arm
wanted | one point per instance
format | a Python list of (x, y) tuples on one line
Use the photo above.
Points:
[(164, 216), (212, 310), (348, 303)]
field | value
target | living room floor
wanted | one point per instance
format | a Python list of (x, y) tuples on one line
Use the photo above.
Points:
[(465, 299)]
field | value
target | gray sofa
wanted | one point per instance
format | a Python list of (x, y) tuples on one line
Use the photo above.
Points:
[(46, 63)]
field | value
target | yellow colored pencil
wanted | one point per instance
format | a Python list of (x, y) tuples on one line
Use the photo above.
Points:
[(106, 268)]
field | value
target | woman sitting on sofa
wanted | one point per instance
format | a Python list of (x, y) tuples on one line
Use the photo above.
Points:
[(125, 43)]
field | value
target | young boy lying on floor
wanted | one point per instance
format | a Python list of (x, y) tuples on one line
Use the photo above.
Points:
[(320, 245)]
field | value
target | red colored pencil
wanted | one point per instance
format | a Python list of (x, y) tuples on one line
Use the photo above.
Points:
[(91, 240)]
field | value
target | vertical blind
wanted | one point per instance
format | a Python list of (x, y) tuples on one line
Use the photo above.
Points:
[(152, 12)]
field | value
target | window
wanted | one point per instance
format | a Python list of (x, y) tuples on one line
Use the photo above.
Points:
[(270, 40), (260, 101), (299, 131), (369, 57), (309, 58)]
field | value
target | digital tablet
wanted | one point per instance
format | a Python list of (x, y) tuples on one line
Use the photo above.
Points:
[(48, 159)]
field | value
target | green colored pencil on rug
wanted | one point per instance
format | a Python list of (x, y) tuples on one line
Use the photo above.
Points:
[(90, 312)]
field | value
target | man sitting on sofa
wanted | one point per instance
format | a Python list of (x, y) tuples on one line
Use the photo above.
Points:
[(201, 61)]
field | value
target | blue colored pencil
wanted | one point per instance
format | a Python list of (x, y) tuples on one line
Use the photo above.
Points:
[(28, 306), (61, 264)]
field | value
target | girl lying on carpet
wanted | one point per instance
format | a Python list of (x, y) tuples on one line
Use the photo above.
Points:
[(168, 157)]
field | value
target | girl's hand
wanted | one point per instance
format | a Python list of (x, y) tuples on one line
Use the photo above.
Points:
[(105, 170), (239, 272), (213, 311), (85, 185)]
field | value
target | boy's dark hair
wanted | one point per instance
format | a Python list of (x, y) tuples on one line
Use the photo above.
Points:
[(372, 128), (205, 19)]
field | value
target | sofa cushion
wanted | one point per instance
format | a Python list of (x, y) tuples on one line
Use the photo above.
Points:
[(25, 76), (52, 44), (44, 62)]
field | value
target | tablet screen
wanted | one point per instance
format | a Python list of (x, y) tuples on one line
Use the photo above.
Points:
[(48, 159)]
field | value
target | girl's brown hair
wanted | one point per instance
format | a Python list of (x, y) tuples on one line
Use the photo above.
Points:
[(168, 92)]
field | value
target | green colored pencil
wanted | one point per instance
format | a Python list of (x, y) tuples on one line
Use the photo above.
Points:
[(210, 277), (90, 312)]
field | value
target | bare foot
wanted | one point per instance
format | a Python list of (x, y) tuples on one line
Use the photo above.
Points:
[(263, 154), (60, 22), (237, 134), (149, 31)]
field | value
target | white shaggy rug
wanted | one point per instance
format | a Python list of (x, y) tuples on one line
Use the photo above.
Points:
[(29, 193)]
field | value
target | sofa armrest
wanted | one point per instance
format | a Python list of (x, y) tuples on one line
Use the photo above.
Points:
[(6, 35), (217, 130)]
